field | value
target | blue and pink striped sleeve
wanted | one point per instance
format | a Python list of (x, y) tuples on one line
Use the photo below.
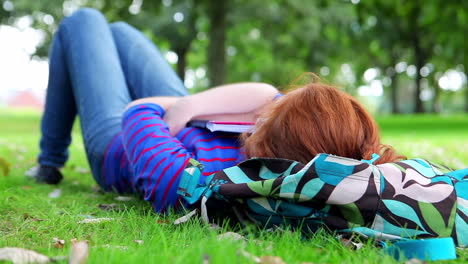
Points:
[(156, 157)]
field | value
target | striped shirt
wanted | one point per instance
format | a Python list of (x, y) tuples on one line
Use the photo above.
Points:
[(144, 158)]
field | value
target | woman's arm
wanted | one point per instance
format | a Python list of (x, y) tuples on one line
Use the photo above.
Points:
[(236, 102), (231, 102), (164, 101)]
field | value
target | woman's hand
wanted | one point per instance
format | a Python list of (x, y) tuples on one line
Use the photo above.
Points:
[(179, 114)]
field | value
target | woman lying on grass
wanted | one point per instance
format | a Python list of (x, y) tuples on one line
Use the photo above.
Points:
[(133, 110)]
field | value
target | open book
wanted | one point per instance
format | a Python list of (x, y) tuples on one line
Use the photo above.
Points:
[(235, 127)]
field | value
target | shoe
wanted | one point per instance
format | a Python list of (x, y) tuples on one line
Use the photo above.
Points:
[(45, 174)]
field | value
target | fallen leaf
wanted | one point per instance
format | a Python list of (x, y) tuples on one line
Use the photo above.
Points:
[(231, 235), (26, 216), (21, 255), (26, 187), (206, 259), (213, 226), (95, 220), (249, 256), (58, 243), (82, 170), (271, 260), (165, 221), (262, 259), (79, 253), (97, 189), (415, 261), (185, 218), (140, 242), (115, 246), (55, 193), (123, 198), (349, 243), (110, 207), (87, 216)]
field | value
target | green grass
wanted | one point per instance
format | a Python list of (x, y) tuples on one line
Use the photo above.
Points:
[(443, 139)]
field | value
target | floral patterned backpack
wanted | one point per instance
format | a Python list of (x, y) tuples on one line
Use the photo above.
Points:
[(393, 201)]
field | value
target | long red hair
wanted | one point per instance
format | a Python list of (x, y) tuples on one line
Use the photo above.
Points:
[(316, 118)]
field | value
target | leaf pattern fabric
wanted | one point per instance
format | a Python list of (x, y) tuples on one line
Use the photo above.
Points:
[(405, 199)]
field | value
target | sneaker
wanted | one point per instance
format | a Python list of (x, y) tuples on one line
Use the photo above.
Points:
[(45, 174)]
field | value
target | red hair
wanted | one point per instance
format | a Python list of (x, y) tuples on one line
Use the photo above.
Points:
[(317, 118)]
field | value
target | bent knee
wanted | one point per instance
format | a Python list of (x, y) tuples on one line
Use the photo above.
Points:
[(120, 25), (87, 14)]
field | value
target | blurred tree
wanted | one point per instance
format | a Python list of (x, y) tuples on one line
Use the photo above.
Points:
[(173, 22), (217, 12), (44, 16), (275, 41), (383, 51)]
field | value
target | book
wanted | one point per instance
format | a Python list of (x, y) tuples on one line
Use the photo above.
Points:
[(226, 126)]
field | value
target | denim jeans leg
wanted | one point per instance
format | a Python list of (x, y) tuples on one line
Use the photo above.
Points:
[(146, 70), (59, 112), (97, 78)]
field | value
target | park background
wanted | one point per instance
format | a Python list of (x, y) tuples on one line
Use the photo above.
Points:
[(405, 60)]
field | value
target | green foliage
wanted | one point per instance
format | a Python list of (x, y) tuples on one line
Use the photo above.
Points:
[(275, 41)]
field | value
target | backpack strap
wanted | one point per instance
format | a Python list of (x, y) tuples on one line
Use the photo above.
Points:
[(424, 249), (191, 185)]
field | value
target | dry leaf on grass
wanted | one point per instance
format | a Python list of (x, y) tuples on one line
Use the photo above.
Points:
[(139, 242), (26, 216), (21, 255), (82, 170), (271, 260), (110, 207), (123, 198), (262, 259), (95, 220), (56, 193), (415, 261), (185, 218), (97, 189), (26, 187), (58, 243), (115, 246), (348, 243), (206, 259), (231, 235), (79, 252)]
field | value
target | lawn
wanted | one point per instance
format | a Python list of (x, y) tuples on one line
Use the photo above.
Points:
[(30, 219)]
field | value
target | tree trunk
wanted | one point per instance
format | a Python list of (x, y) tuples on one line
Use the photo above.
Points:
[(181, 62), (436, 100), (419, 59), (217, 42), (394, 93), (466, 94)]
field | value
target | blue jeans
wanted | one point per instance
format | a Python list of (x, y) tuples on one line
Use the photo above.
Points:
[(95, 70)]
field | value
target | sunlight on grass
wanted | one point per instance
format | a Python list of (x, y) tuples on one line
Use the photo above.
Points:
[(30, 219)]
